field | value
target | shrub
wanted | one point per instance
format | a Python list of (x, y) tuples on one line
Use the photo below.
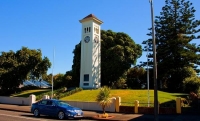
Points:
[(193, 97), (120, 84), (59, 93), (191, 84), (103, 98)]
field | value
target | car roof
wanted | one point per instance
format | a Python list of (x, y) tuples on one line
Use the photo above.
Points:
[(51, 99)]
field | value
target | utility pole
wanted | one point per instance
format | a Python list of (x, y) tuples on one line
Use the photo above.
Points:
[(52, 73), (148, 73), (154, 65)]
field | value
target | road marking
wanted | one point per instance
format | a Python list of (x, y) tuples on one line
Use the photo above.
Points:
[(23, 117)]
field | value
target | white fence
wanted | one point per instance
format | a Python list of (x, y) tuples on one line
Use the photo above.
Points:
[(93, 106), (18, 100)]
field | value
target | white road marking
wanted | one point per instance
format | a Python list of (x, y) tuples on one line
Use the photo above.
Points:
[(23, 117)]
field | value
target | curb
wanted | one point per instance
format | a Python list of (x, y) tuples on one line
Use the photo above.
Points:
[(85, 117), (15, 110)]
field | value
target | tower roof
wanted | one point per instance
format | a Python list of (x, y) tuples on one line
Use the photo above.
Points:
[(91, 17)]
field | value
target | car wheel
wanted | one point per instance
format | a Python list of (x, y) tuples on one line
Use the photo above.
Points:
[(61, 115), (36, 113)]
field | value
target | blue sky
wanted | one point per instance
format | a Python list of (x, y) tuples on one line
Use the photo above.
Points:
[(49, 24)]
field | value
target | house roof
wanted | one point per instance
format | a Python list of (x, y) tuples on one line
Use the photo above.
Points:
[(91, 17)]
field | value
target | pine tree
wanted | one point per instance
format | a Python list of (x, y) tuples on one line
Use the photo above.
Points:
[(175, 29)]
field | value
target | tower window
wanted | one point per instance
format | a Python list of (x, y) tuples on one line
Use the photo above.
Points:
[(86, 77), (85, 84), (98, 30), (87, 29)]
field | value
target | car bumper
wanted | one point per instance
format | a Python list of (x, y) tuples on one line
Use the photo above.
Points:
[(78, 116), (72, 115)]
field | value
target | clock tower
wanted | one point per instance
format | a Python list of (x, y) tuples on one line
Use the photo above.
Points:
[(90, 66)]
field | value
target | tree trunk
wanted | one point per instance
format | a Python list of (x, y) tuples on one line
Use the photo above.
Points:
[(103, 107)]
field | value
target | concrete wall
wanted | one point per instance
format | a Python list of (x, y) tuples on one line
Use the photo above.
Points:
[(94, 106), (18, 100)]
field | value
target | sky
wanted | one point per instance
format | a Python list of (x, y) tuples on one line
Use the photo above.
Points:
[(53, 25)]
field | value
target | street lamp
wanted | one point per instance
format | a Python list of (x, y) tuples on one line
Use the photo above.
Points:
[(148, 72), (52, 74), (154, 65)]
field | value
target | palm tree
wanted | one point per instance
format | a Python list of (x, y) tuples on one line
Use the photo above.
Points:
[(103, 98)]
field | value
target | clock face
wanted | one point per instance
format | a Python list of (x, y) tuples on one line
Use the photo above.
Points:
[(87, 39), (96, 39)]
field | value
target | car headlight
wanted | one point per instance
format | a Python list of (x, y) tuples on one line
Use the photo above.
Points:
[(70, 110), (78, 111)]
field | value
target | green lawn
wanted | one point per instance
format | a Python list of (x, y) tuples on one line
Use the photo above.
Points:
[(127, 96), (27, 93)]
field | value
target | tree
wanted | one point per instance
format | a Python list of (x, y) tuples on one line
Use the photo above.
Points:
[(63, 80), (175, 29), (19, 66), (68, 82), (58, 81), (48, 78), (7, 68), (103, 98), (76, 65), (120, 84), (192, 82), (135, 77), (118, 54)]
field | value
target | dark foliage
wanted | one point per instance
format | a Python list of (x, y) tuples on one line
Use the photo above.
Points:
[(175, 29)]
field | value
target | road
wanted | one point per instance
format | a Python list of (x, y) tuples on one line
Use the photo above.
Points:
[(22, 116)]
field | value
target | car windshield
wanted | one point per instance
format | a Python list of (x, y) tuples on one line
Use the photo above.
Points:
[(62, 103)]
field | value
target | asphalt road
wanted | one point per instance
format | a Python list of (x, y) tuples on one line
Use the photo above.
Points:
[(21, 116)]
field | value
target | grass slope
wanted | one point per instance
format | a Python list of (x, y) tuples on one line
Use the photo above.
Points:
[(27, 93), (127, 96)]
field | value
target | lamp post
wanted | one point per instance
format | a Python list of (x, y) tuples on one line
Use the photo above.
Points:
[(52, 74), (154, 64), (148, 72)]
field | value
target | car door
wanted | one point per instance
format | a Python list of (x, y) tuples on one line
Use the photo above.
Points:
[(51, 108), (42, 107)]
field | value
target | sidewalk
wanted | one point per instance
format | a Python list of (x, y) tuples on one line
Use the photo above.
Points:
[(116, 116)]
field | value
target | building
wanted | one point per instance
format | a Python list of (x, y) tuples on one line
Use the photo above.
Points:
[(90, 70)]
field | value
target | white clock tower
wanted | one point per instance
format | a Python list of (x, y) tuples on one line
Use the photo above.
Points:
[(90, 70)]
